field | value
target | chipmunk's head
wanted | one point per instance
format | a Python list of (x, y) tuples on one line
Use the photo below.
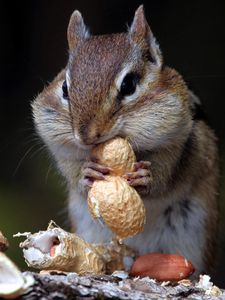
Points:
[(115, 85)]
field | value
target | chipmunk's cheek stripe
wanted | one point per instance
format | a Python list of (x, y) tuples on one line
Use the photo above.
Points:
[(59, 93), (68, 80), (133, 97), (51, 111)]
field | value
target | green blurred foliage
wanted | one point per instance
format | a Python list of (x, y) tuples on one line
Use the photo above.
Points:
[(30, 208)]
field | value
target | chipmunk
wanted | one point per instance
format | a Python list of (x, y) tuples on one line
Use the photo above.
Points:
[(117, 85)]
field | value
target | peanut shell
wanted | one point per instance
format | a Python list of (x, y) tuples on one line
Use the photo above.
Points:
[(56, 249), (69, 254), (3, 243), (117, 154), (118, 204), (12, 282)]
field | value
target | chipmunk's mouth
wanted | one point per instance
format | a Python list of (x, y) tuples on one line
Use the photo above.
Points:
[(83, 146), (80, 143), (89, 145), (86, 141)]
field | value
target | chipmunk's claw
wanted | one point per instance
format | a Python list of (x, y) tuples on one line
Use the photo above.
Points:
[(90, 172), (141, 178)]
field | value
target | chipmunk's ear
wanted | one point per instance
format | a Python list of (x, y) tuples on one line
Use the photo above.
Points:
[(77, 30), (141, 32)]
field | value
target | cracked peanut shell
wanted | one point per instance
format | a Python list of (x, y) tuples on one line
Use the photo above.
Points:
[(57, 249), (12, 282)]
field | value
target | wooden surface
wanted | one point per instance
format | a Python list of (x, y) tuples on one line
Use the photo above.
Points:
[(71, 286)]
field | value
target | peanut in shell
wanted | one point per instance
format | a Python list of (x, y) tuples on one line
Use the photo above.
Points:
[(117, 154), (118, 204), (112, 199)]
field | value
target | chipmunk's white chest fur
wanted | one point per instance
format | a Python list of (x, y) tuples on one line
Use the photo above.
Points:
[(170, 228)]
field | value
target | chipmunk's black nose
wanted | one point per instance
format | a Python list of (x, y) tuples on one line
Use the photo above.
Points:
[(89, 134)]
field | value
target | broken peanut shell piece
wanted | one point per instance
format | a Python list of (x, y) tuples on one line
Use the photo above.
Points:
[(3, 243), (117, 256), (118, 204), (61, 250), (12, 282), (117, 154), (56, 249)]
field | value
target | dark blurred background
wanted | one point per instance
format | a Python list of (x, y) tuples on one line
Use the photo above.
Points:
[(34, 48)]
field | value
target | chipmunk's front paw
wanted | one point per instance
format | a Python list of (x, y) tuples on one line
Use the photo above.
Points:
[(141, 178), (90, 172)]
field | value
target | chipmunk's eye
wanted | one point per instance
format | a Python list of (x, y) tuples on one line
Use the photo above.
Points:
[(65, 90), (129, 83)]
